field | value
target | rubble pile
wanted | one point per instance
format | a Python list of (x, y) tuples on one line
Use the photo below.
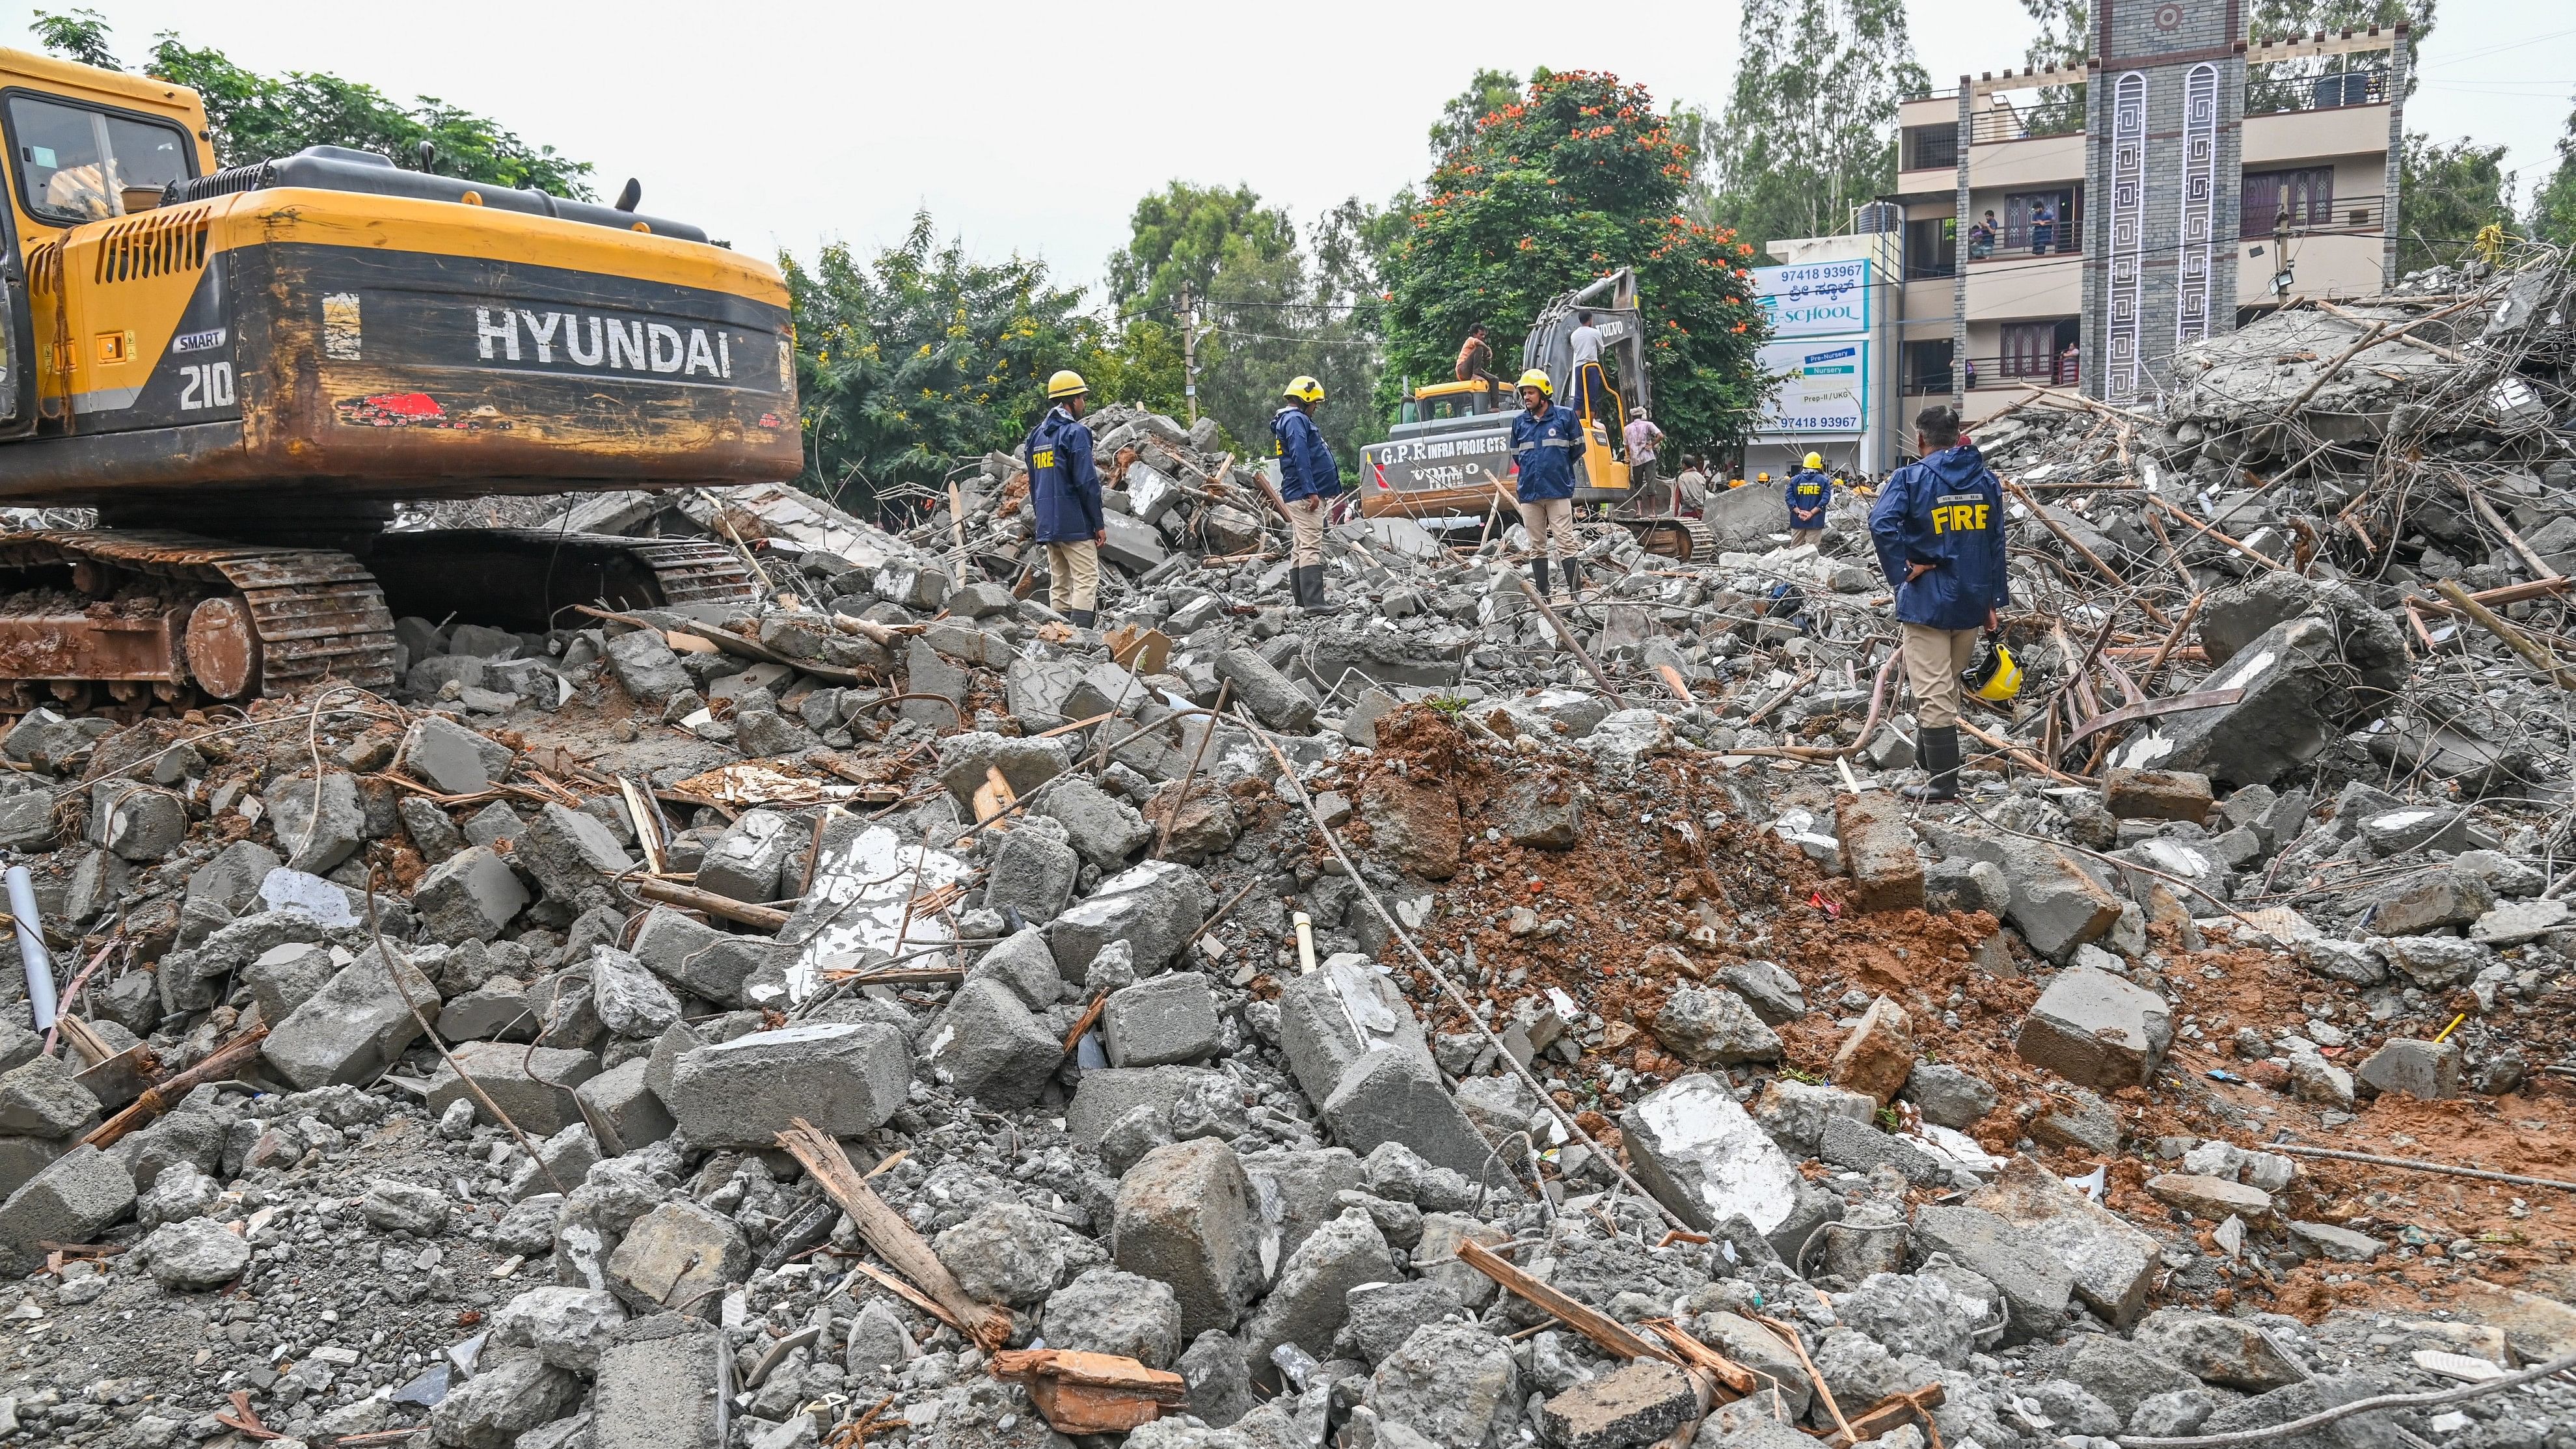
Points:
[(887, 1013)]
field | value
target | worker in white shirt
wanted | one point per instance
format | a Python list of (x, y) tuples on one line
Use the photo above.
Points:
[(1591, 383)]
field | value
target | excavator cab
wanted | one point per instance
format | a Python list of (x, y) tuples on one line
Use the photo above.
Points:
[(1601, 474), (244, 369)]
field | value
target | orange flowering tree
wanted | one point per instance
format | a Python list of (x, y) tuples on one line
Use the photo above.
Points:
[(1578, 176)]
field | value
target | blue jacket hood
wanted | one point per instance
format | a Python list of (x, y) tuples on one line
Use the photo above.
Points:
[(1957, 467)]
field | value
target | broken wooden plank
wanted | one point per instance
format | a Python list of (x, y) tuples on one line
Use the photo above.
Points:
[(1608, 1333), (894, 1239), (761, 918), (161, 1096), (2147, 708), (1893, 1412), (1695, 1354)]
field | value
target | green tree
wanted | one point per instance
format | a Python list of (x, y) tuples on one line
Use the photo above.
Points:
[(79, 35), (1577, 178), (2447, 195), (2553, 206), (253, 117), (1810, 129), (1487, 91), (1273, 311), (922, 359)]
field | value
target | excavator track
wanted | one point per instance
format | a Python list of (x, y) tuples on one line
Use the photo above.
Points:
[(156, 617), (130, 621), (527, 578)]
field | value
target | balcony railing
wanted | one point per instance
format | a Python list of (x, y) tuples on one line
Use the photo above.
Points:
[(2054, 111), (2343, 215), (1986, 374), (2286, 90), (2069, 242)]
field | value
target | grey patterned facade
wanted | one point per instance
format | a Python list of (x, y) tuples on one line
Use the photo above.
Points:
[(2179, 177)]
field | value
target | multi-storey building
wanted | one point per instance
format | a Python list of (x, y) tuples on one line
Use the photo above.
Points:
[(2071, 228)]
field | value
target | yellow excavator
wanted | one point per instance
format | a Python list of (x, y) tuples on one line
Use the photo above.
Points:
[(244, 369)]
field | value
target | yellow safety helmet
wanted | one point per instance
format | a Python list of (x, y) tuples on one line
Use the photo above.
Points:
[(1303, 389), (1761, 477), (1538, 379), (1996, 676), (1067, 383), (1815, 460)]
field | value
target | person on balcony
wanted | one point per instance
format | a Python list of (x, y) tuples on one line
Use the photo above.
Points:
[(1981, 238), (2043, 229)]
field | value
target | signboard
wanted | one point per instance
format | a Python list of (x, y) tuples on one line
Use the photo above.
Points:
[(1825, 390), (1814, 299)]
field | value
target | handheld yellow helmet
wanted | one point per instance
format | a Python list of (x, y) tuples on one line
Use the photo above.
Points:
[(1303, 389), (1815, 460), (1537, 378), (1996, 676), (1067, 383)]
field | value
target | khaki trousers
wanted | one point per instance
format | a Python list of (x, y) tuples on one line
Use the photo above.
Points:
[(1550, 522), (1306, 531), (1073, 575), (1933, 659)]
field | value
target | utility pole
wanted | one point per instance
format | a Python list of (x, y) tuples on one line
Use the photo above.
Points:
[(1190, 352)]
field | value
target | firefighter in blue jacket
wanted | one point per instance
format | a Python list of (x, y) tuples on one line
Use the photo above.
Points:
[(1308, 479), (1064, 488), (1939, 527), (1544, 440), (1809, 491)]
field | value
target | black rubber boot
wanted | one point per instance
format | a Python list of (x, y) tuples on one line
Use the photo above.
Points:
[(1938, 747), (1538, 574), (1081, 618), (1310, 590), (1572, 572)]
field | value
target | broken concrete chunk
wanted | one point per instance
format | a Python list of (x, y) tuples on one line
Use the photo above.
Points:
[(1878, 1055), (1714, 1028), (2096, 1030), (2428, 1071), (988, 1046), (2157, 795), (1273, 700), (743, 863), (535, 1087), (452, 759), (843, 1077), (1184, 1217), (681, 1253), (1637, 1404), (1878, 850), (645, 666), (469, 896), (1698, 1151), (1170, 1018), (318, 826), (354, 1027), (1154, 907), (74, 1199)]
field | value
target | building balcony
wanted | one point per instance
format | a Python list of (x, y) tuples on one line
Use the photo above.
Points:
[(2011, 285), (2027, 163), (2287, 137)]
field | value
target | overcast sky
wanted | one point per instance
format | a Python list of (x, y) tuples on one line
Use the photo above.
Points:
[(1034, 128)]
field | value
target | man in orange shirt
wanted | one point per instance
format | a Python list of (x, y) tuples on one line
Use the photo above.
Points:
[(1476, 358)]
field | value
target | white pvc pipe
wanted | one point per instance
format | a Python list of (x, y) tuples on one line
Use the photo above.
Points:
[(31, 947)]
